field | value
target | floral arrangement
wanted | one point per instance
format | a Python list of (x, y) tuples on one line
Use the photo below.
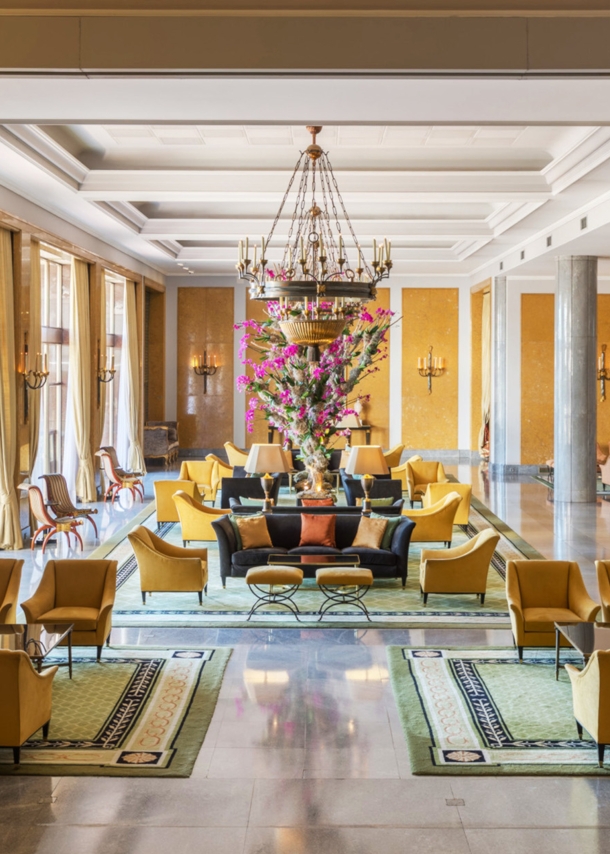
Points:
[(306, 401)]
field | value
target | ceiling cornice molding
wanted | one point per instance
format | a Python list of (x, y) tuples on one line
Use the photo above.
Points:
[(31, 142)]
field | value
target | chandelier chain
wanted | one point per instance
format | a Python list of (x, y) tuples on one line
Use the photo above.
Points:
[(286, 194), (346, 215)]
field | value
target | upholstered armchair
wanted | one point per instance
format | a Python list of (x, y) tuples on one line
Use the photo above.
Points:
[(161, 440), (419, 474), (435, 491), (392, 457), (463, 569), (26, 699), (383, 488), (400, 472), (221, 469), (164, 497), (195, 518), (591, 699), (235, 455), (168, 569), (603, 583), (434, 524), (10, 579), (203, 473), (541, 593), (80, 592), (605, 473)]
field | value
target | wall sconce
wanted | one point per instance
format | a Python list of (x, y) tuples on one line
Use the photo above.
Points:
[(204, 369), (602, 374), (104, 374), (33, 379), (431, 367)]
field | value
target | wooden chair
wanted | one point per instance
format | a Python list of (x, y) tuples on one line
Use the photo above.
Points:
[(48, 524), (116, 481), (58, 498)]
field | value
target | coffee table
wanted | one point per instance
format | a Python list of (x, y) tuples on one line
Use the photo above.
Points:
[(584, 637), (310, 563), (38, 640)]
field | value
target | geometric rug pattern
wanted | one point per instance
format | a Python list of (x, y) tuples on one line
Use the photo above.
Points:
[(478, 711)]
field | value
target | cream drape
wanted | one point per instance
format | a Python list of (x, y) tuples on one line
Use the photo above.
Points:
[(135, 460), (102, 309), (35, 346), (80, 378), (10, 528), (485, 367)]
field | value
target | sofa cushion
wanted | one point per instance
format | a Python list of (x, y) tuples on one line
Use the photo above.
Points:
[(318, 530), (318, 502), (379, 557), (84, 619), (314, 550), (370, 533), (544, 619), (255, 557), (254, 532), (393, 522)]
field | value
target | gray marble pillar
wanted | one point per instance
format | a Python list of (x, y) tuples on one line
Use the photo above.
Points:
[(497, 424), (575, 378)]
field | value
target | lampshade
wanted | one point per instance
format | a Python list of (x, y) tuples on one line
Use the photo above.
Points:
[(348, 422), (266, 458), (366, 459)]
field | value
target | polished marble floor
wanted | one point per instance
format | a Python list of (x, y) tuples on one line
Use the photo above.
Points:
[(313, 760)]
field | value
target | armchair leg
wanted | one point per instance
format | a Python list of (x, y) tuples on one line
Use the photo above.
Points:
[(520, 652), (600, 754), (99, 652), (16, 755), (482, 598), (199, 593), (45, 729), (206, 589), (579, 729), (448, 543), (425, 598), (143, 598)]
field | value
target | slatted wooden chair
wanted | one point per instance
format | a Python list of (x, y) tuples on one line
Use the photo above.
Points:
[(117, 481), (58, 499), (117, 466), (49, 525)]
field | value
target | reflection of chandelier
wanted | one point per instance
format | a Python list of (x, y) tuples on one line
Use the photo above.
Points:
[(315, 281)]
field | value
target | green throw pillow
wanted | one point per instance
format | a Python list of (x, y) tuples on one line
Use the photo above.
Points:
[(393, 522), (233, 522), (250, 502), (382, 502)]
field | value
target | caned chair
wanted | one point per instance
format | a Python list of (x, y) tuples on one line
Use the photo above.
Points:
[(419, 474), (80, 592), (164, 498), (463, 569), (204, 473), (392, 457), (47, 524), (602, 568), (435, 491), (117, 482), (166, 568), (195, 518), (591, 699), (434, 524), (399, 472), (235, 455), (541, 593), (58, 498), (10, 579), (26, 701)]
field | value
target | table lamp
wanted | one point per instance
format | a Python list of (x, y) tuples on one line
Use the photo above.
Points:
[(348, 423), (366, 460), (266, 458)]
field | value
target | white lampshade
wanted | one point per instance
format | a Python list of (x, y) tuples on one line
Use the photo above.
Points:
[(348, 422), (266, 458), (367, 459)]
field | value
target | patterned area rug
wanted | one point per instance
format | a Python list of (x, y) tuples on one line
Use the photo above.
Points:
[(140, 712), (478, 711), (389, 605)]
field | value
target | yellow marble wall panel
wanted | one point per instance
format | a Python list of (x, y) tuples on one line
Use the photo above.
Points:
[(156, 356), (205, 317), (603, 337), (476, 323), (430, 316), (537, 377)]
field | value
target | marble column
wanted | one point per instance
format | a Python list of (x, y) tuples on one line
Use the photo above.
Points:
[(575, 378), (497, 424)]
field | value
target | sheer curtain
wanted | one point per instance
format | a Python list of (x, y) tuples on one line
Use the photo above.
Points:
[(102, 309), (129, 447), (10, 527), (485, 368)]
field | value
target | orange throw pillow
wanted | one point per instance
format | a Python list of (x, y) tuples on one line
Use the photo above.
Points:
[(254, 532), (370, 533), (318, 502), (318, 530)]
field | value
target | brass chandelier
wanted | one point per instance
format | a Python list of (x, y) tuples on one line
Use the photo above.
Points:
[(315, 281)]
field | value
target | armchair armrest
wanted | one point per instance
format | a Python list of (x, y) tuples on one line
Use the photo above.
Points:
[(579, 600)]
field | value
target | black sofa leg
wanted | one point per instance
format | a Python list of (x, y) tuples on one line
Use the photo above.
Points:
[(600, 754), (45, 729), (16, 755)]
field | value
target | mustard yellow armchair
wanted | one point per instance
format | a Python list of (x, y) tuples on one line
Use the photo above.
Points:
[(392, 457), (591, 699), (603, 583), (196, 519), (463, 569), (221, 469), (26, 700), (205, 475), (435, 491), (419, 474), (164, 497), (10, 579), (435, 524), (235, 455), (80, 592), (168, 569), (541, 593), (400, 472)]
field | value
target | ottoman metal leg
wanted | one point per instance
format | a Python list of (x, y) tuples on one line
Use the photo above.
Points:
[(343, 596), (282, 596)]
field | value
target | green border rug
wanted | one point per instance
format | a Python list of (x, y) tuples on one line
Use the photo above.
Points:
[(478, 711), (141, 712)]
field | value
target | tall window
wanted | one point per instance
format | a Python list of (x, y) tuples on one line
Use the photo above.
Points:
[(115, 298), (55, 318)]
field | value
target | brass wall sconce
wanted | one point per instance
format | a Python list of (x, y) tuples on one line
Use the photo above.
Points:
[(105, 374), (602, 374), (33, 378), (204, 369), (431, 367)]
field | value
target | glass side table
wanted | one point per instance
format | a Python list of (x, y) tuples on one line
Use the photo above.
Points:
[(38, 641)]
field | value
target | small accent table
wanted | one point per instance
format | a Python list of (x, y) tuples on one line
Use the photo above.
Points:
[(584, 637), (38, 640)]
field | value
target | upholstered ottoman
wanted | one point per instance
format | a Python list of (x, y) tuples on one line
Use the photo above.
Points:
[(343, 587), (282, 582)]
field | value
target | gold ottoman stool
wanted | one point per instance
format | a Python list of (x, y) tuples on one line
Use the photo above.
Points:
[(282, 581), (344, 587)]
